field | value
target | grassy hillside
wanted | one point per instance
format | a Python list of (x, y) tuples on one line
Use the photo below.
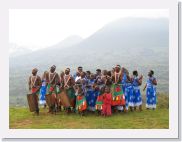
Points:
[(21, 118)]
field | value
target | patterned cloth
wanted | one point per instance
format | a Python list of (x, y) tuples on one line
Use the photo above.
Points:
[(81, 103), (71, 95), (118, 98), (99, 102), (151, 99), (123, 82), (91, 96), (53, 89), (129, 95), (136, 92), (43, 91)]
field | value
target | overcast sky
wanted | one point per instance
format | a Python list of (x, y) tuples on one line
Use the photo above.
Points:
[(40, 28)]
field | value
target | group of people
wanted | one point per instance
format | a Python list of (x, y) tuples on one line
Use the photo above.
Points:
[(104, 91)]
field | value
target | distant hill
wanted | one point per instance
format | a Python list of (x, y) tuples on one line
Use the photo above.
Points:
[(15, 50), (136, 43)]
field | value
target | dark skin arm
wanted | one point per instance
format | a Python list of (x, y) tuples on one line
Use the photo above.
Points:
[(154, 82), (129, 79), (140, 80), (39, 83), (29, 83), (144, 87)]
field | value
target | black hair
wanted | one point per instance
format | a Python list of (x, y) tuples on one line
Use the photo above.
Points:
[(80, 67), (99, 70), (109, 73), (135, 72), (152, 72), (88, 72)]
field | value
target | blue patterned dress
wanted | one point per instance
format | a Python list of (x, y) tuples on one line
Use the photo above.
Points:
[(136, 92), (123, 82), (129, 96), (43, 91), (91, 96), (150, 94)]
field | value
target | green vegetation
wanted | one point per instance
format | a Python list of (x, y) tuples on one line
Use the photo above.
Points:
[(21, 118)]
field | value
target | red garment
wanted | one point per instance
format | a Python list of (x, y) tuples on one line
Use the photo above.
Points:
[(107, 104)]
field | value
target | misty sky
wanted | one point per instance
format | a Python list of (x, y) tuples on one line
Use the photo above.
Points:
[(40, 28)]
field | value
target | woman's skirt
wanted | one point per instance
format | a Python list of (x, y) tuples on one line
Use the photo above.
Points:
[(130, 96), (118, 98), (81, 103), (91, 97), (99, 103), (151, 98), (137, 96)]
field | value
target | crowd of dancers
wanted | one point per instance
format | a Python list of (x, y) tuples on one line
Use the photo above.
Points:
[(103, 92)]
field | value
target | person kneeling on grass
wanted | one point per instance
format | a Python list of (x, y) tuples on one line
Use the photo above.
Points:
[(107, 97), (81, 103), (151, 91)]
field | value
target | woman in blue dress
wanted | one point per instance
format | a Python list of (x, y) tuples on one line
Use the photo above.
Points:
[(124, 78), (43, 89), (124, 82), (91, 93), (151, 91), (137, 81), (129, 98)]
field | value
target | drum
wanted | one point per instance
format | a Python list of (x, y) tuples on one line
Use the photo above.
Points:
[(64, 100), (48, 100), (32, 98)]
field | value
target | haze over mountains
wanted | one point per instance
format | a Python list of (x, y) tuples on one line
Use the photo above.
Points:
[(136, 43)]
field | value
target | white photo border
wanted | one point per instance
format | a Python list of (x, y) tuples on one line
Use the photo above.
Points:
[(171, 133)]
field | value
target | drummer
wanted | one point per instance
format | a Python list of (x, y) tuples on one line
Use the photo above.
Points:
[(34, 84)]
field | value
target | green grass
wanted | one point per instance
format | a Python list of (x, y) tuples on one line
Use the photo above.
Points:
[(21, 118)]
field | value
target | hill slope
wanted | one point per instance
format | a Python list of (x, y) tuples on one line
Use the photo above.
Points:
[(136, 43)]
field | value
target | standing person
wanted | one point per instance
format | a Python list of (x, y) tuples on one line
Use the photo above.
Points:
[(151, 91), (83, 80), (107, 97), (91, 93), (77, 76), (34, 84), (118, 98), (137, 82), (78, 72), (69, 82), (43, 89), (98, 74), (124, 83), (99, 102), (53, 88), (100, 78), (129, 93), (88, 73), (124, 78), (81, 103)]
